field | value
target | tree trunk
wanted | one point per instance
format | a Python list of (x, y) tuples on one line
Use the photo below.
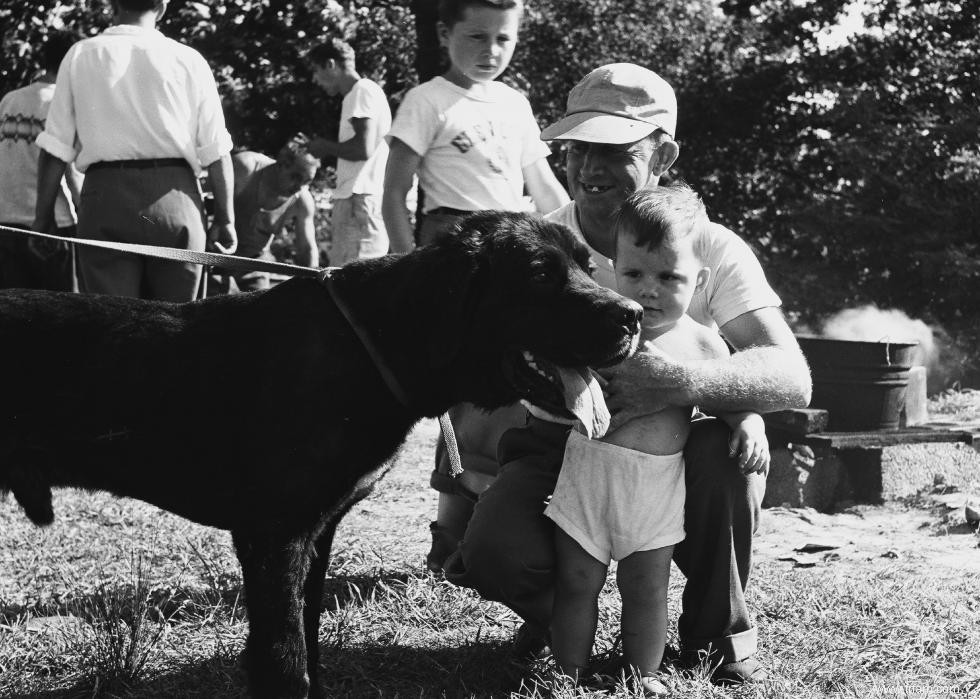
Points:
[(428, 58)]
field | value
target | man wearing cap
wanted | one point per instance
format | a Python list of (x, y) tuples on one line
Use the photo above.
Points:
[(619, 128), (140, 115)]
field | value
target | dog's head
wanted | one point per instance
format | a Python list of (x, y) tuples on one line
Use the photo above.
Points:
[(521, 300)]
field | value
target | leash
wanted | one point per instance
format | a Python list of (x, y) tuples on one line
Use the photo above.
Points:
[(210, 259), (248, 264), (391, 381)]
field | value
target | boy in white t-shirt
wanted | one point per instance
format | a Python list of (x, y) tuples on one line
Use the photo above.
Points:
[(473, 141), (357, 227), (622, 497), (475, 145)]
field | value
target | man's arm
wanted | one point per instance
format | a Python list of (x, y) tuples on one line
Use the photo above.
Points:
[(307, 253), (544, 188), (222, 234), (766, 373), (50, 170), (360, 146), (403, 163)]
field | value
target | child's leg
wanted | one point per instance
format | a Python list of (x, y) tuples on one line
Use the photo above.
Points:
[(642, 578), (579, 580)]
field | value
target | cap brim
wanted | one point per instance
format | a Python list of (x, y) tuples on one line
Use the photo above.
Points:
[(597, 127)]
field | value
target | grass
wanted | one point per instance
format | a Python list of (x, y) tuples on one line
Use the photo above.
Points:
[(162, 597)]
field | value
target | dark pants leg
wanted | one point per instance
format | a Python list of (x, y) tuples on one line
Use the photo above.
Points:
[(721, 515), (151, 206), (507, 554), (37, 263)]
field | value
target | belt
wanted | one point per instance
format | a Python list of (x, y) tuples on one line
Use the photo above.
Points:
[(448, 211), (138, 164)]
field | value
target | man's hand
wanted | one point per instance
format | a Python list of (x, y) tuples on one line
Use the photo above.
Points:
[(223, 238), (646, 383)]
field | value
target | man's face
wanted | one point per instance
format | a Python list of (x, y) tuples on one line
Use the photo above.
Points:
[(294, 174), (327, 76), (602, 175)]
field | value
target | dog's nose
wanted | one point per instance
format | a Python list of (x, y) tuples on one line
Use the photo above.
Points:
[(632, 314)]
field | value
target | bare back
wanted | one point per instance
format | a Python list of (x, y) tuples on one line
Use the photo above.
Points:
[(666, 432)]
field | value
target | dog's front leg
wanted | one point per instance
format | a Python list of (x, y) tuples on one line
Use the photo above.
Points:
[(274, 569), (319, 561)]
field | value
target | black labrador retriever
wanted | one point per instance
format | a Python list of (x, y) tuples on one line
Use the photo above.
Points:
[(105, 393)]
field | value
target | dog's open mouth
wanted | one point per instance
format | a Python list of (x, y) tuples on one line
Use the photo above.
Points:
[(537, 381)]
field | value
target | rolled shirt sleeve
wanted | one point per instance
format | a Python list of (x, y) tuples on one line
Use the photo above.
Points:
[(60, 136), (213, 139)]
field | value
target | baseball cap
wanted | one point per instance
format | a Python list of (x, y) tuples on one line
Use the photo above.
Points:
[(616, 103)]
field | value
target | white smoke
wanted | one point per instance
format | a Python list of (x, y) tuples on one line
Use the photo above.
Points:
[(936, 352), (872, 324)]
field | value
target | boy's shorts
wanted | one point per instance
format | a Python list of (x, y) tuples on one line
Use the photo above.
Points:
[(357, 229), (615, 501)]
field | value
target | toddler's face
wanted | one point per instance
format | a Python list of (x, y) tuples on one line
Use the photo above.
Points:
[(481, 44), (663, 280)]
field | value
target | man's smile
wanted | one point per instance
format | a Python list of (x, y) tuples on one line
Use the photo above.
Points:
[(595, 188)]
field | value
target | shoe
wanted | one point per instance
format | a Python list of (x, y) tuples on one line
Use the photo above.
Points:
[(443, 544), (748, 671), (531, 642)]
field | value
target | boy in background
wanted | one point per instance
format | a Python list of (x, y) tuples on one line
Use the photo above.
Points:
[(31, 263), (622, 497), (357, 227), (472, 140), (475, 145)]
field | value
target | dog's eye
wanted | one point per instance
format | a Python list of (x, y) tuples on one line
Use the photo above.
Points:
[(542, 272), (592, 268)]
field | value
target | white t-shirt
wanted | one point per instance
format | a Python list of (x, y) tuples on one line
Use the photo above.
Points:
[(737, 284), (131, 93), (366, 100), (22, 115), (474, 143)]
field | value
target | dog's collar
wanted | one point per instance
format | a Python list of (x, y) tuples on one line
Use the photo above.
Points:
[(391, 381)]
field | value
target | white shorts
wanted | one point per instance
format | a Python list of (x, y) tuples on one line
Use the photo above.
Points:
[(616, 501), (357, 229)]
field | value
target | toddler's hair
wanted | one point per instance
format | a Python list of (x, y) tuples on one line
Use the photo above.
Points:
[(652, 215), (335, 49), (451, 11)]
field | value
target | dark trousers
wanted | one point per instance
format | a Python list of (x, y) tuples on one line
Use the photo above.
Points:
[(507, 553), (36, 263), (151, 206)]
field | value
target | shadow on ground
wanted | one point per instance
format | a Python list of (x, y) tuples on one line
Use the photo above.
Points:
[(476, 670)]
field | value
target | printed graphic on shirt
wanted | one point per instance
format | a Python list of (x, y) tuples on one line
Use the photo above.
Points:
[(484, 138), (20, 127)]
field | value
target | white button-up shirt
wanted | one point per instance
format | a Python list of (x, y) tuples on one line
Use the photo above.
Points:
[(131, 93)]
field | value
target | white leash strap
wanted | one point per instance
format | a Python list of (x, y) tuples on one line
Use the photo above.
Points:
[(452, 449), (230, 262)]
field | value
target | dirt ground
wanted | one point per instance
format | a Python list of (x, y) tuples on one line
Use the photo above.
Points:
[(931, 536)]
